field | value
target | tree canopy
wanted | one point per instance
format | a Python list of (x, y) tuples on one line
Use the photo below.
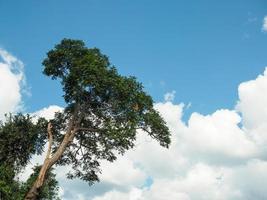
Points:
[(107, 108)]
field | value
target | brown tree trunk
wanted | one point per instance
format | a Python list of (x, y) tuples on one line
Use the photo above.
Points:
[(35, 189), (49, 162)]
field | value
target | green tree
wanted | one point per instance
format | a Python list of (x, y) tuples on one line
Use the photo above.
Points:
[(103, 112), (20, 138)]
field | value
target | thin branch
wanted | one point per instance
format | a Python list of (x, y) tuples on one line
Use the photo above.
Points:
[(144, 129), (77, 151)]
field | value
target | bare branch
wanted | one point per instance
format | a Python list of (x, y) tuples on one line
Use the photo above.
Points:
[(50, 140)]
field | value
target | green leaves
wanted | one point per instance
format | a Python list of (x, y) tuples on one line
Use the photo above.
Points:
[(108, 108), (9, 187), (20, 138)]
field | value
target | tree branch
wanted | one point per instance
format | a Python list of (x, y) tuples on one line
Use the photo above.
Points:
[(50, 140)]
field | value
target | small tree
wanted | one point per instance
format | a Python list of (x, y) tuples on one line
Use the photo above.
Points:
[(103, 112), (20, 138)]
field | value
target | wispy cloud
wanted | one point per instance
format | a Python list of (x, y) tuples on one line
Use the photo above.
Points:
[(264, 25), (169, 96)]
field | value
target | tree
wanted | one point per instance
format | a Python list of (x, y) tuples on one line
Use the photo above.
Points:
[(103, 113), (20, 138)]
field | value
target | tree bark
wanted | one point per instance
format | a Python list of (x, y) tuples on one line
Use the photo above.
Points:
[(50, 161)]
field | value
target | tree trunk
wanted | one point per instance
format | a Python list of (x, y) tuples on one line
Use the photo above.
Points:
[(49, 162), (35, 189)]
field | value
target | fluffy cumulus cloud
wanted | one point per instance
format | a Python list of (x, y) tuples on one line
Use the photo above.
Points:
[(252, 105), (218, 137), (12, 82), (48, 112), (217, 156)]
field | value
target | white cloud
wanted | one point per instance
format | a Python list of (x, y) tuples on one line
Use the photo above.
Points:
[(12, 81), (218, 137), (217, 156), (264, 26), (154, 159), (134, 194), (200, 182), (252, 105), (206, 182), (112, 174), (48, 112)]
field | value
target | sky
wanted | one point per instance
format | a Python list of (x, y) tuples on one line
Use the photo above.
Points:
[(204, 64)]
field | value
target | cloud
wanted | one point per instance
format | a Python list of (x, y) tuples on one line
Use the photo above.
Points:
[(252, 105), (218, 137), (48, 112), (216, 156), (264, 25), (206, 182), (112, 174), (134, 194), (12, 83)]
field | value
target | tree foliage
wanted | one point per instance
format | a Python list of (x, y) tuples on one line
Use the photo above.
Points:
[(9, 187), (20, 139), (107, 108)]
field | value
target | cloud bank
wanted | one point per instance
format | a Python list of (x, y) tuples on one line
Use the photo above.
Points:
[(12, 82), (217, 156)]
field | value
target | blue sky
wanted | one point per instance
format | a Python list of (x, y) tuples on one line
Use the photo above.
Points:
[(211, 55), (200, 49)]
